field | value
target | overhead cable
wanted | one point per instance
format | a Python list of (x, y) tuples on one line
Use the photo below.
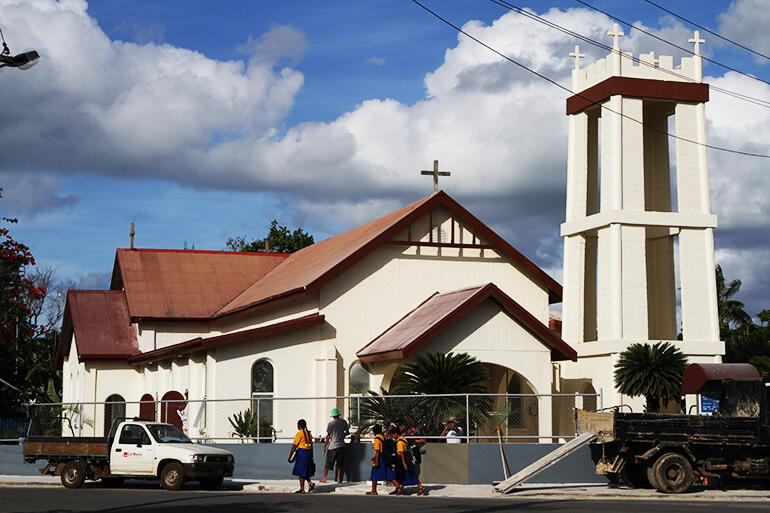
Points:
[(591, 102)]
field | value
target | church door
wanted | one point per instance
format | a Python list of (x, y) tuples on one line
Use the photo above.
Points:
[(172, 403)]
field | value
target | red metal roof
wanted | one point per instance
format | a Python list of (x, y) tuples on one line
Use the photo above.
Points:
[(201, 344), (186, 284), (440, 311), (696, 374), (313, 266), (101, 325)]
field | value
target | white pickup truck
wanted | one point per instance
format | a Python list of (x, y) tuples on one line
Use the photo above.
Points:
[(137, 449)]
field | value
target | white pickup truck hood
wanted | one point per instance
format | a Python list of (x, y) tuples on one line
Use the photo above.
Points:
[(195, 449)]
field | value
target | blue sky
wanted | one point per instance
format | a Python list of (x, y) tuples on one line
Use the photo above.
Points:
[(202, 120)]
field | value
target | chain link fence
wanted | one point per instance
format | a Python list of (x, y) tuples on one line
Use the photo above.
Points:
[(474, 418)]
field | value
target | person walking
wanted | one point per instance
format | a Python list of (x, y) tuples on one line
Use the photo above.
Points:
[(336, 432), (404, 470), (301, 454), (380, 470)]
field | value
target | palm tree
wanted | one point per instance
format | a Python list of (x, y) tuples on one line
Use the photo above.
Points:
[(442, 373), (730, 310), (654, 371)]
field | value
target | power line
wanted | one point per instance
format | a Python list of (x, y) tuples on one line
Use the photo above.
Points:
[(751, 99), (592, 102), (631, 25), (716, 34)]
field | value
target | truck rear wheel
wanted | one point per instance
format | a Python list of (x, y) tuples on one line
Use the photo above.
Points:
[(72, 475), (673, 473), (172, 476)]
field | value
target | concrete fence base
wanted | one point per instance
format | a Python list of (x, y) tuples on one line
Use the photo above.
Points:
[(441, 463)]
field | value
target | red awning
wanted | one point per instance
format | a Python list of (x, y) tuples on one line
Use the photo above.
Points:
[(696, 374)]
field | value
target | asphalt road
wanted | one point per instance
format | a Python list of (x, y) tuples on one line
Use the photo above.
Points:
[(49, 499)]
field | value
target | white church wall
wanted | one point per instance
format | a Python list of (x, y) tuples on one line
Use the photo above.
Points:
[(295, 308)]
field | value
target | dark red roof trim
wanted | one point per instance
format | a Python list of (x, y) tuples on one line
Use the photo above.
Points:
[(200, 251), (560, 350), (640, 88), (200, 344)]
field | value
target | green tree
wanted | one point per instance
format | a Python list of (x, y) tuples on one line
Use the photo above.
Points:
[(280, 239), (730, 310), (764, 317), (441, 373), (653, 371)]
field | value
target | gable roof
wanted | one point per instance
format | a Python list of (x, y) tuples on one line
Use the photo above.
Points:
[(310, 268), (440, 311), (101, 325), (185, 284)]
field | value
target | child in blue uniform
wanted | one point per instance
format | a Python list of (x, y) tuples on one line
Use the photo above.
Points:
[(405, 472), (380, 471), (303, 466)]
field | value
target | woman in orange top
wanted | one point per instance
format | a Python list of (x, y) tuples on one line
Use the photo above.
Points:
[(380, 471), (405, 472), (304, 464)]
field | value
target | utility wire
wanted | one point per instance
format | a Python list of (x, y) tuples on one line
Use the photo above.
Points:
[(751, 99), (592, 102), (631, 25), (716, 34)]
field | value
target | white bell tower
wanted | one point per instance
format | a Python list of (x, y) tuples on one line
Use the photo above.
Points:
[(628, 209)]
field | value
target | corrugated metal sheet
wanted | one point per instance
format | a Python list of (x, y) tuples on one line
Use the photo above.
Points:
[(440, 311), (101, 324), (311, 263), (187, 284), (696, 374)]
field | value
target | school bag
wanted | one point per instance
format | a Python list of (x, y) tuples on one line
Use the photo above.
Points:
[(389, 452)]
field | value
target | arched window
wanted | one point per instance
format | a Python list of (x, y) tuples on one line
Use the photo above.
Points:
[(115, 408), (262, 398), (523, 411), (360, 379), (147, 407)]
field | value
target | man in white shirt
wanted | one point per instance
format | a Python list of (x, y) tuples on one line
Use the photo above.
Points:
[(450, 432)]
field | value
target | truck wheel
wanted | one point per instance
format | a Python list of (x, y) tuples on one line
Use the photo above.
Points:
[(673, 473), (212, 483), (651, 477), (72, 475), (112, 482), (172, 476)]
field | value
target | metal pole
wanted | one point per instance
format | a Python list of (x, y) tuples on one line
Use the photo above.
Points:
[(165, 415), (259, 426), (80, 419), (467, 419), (601, 398), (358, 416)]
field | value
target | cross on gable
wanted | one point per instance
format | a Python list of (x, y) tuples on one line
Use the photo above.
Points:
[(616, 34), (577, 55), (696, 40), (436, 173)]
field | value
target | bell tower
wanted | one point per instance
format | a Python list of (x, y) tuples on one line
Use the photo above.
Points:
[(632, 208)]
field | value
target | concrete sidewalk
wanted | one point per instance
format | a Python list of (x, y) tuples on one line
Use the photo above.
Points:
[(528, 491)]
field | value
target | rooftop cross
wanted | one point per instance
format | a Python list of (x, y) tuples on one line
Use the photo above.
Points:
[(616, 33), (436, 173), (577, 55), (697, 41), (131, 235)]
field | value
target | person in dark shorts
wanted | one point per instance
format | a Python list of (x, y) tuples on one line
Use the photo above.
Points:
[(334, 446)]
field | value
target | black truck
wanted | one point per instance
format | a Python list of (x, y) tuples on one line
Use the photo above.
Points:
[(672, 452)]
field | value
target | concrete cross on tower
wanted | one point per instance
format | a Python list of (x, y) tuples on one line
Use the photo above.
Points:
[(436, 173), (697, 41), (577, 55), (616, 34), (131, 235)]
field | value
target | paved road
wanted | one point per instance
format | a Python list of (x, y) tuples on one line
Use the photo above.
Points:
[(56, 500)]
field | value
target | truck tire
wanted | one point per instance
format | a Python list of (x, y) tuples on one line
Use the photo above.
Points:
[(112, 482), (72, 475), (172, 476), (212, 483), (673, 473), (651, 477)]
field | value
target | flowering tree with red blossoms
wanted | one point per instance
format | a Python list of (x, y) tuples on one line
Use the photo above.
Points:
[(22, 342)]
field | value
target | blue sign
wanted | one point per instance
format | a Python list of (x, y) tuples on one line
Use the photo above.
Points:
[(709, 397)]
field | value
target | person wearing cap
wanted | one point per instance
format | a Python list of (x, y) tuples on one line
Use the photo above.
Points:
[(334, 446)]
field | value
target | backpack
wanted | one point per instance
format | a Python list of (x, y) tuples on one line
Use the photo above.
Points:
[(389, 452)]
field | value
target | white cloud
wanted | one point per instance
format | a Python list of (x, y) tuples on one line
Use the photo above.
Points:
[(29, 195), (377, 61), (746, 22)]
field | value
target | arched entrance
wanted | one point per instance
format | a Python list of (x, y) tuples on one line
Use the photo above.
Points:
[(114, 408), (518, 412), (589, 402), (147, 407), (169, 411)]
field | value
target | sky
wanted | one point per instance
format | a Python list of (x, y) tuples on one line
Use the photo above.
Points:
[(201, 120)]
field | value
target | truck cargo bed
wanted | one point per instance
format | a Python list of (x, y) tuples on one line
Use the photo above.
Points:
[(48, 447)]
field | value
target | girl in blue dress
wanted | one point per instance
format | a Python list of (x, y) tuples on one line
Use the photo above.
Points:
[(380, 471), (303, 465), (405, 472)]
